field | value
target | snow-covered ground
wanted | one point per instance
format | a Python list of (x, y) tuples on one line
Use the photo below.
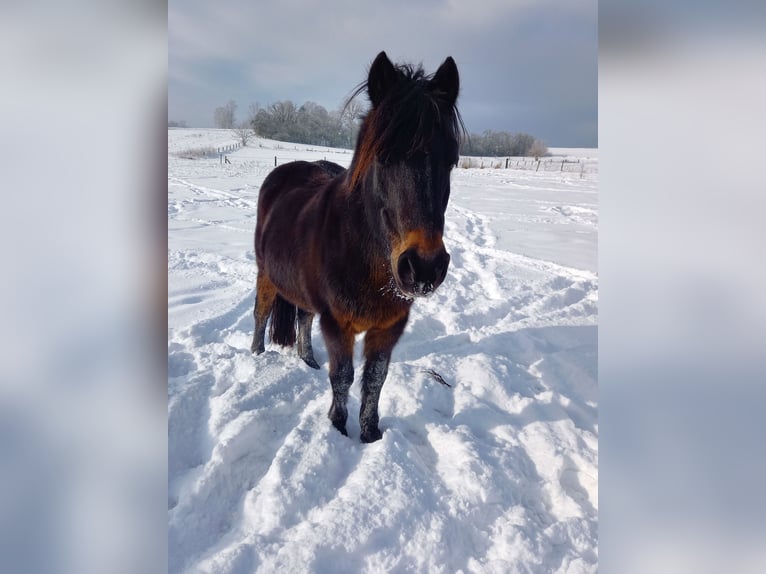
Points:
[(496, 474)]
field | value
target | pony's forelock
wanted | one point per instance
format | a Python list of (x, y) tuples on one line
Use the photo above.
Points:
[(405, 121)]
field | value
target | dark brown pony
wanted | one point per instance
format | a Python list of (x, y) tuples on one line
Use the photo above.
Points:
[(357, 246)]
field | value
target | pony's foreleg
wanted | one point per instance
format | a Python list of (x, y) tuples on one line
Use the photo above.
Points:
[(305, 351), (378, 344), (265, 294), (340, 347)]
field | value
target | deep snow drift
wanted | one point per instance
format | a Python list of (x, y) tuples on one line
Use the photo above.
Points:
[(496, 474)]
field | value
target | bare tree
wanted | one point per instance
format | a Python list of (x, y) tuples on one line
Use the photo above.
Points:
[(252, 113), (244, 132), (538, 149), (350, 114), (224, 116)]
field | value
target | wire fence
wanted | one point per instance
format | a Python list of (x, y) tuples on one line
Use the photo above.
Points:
[(207, 152), (222, 151), (580, 166)]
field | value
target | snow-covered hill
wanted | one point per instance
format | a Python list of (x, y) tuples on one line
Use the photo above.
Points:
[(496, 474)]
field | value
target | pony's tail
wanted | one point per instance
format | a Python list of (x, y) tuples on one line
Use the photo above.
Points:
[(283, 316)]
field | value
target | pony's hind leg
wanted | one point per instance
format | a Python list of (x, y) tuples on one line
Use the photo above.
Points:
[(265, 295), (305, 351), (340, 347)]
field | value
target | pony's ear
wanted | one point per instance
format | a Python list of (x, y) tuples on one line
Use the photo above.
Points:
[(447, 81), (381, 78)]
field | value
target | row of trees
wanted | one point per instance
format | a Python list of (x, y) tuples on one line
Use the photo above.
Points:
[(312, 124), (499, 144)]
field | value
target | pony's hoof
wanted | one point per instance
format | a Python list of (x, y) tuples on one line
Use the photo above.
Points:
[(310, 362), (338, 417), (371, 435), (257, 348), (341, 428)]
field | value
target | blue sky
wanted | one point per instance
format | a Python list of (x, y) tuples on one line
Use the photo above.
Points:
[(525, 65)]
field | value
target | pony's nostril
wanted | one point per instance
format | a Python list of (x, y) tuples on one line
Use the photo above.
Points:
[(406, 269), (421, 275), (411, 266)]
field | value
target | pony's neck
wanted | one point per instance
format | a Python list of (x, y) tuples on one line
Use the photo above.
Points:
[(366, 225)]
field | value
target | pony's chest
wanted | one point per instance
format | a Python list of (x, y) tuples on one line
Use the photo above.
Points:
[(373, 307)]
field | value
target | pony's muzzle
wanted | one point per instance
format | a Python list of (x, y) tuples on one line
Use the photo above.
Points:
[(419, 275)]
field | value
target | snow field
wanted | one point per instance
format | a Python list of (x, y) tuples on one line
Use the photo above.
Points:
[(496, 474)]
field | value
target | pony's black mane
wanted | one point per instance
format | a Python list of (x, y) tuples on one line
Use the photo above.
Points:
[(408, 119)]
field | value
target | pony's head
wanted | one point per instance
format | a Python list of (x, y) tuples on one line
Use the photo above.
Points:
[(408, 144)]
